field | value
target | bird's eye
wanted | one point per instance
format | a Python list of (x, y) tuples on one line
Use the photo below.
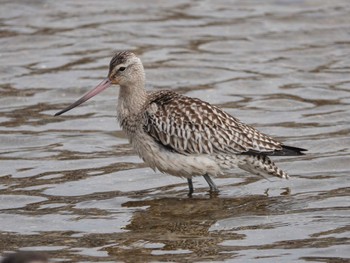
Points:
[(121, 68)]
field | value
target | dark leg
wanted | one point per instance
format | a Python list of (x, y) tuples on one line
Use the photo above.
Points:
[(213, 187), (190, 186)]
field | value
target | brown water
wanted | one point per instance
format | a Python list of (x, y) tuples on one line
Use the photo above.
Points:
[(72, 186)]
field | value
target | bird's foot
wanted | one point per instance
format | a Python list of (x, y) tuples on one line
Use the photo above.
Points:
[(190, 187)]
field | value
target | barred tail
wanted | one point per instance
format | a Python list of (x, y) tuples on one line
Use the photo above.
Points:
[(261, 165)]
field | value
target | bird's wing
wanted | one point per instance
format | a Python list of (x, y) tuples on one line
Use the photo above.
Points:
[(192, 126)]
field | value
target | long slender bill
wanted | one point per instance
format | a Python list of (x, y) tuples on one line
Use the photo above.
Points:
[(100, 87)]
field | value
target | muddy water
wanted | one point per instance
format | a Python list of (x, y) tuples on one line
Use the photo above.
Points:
[(72, 187)]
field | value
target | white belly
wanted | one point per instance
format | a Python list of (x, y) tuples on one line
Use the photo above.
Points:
[(166, 161)]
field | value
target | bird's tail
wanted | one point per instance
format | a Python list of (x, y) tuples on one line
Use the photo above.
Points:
[(261, 165), (289, 151)]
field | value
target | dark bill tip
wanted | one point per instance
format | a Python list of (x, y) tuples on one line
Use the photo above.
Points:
[(100, 87)]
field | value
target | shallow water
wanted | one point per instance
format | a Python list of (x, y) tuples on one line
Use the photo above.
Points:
[(72, 186)]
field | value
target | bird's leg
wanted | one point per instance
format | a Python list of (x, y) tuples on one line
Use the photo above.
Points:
[(190, 186), (213, 187)]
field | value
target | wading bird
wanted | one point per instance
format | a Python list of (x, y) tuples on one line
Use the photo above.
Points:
[(184, 136)]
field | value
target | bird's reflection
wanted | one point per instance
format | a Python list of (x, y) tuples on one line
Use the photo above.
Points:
[(185, 228), (25, 257)]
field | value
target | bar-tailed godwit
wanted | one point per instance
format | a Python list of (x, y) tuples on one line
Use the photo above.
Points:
[(184, 136)]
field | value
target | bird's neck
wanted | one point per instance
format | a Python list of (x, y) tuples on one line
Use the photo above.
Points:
[(131, 101)]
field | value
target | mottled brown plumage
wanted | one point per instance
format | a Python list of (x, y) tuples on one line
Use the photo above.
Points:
[(193, 126), (184, 136)]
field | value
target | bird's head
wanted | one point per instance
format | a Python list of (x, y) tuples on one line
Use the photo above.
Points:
[(125, 70)]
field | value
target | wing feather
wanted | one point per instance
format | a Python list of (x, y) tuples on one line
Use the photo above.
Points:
[(192, 126)]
